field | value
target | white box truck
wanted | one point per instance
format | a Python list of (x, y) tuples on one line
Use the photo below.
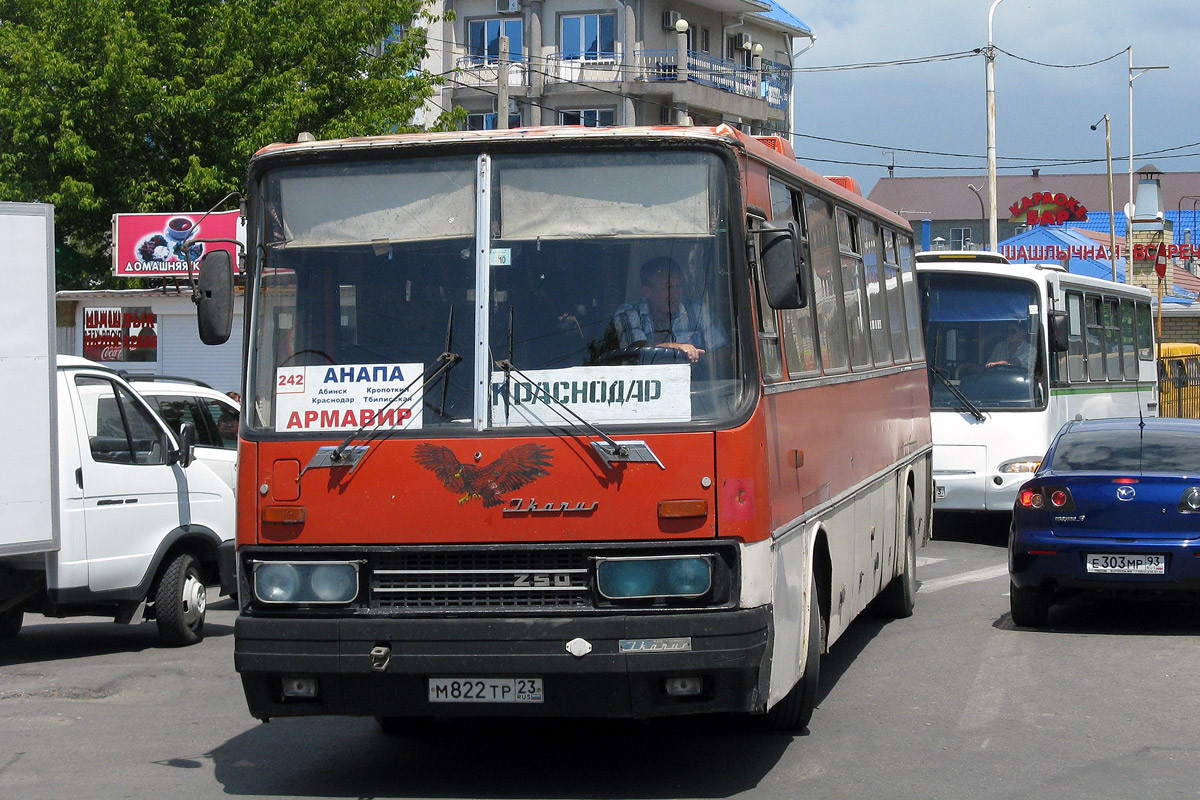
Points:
[(103, 510)]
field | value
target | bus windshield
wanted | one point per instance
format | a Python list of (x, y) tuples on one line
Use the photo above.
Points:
[(606, 277), (983, 337)]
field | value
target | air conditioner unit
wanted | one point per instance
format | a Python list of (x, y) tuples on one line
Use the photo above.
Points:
[(669, 19), (508, 6), (744, 42)]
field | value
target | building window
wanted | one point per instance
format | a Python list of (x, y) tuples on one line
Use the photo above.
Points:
[(589, 37), (484, 37), (959, 238), (589, 117), (487, 122), (734, 51), (704, 43)]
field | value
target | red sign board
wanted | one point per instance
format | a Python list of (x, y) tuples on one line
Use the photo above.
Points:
[(120, 334), (1160, 261), (1047, 208), (149, 245)]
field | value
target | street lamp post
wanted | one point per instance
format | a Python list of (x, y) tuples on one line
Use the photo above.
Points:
[(1134, 74), (990, 56), (979, 197), (1112, 223)]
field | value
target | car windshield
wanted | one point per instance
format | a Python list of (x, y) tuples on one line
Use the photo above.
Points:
[(1132, 450), (982, 336), (596, 267)]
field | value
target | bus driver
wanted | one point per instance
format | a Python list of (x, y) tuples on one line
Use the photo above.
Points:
[(662, 318)]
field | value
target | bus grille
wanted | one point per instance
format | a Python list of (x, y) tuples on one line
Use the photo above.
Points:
[(415, 581)]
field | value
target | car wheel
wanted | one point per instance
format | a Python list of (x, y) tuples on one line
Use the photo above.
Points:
[(794, 711), (10, 622), (900, 595), (1029, 606), (179, 603)]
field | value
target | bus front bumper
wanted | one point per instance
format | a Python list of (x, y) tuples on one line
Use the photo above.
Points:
[(603, 666)]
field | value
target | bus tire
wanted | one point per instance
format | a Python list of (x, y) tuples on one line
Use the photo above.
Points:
[(794, 711), (179, 602), (10, 622), (1028, 605), (900, 595)]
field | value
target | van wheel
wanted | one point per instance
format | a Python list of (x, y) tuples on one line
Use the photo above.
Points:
[(180, 601), (794, 711), (900, 595), (10, 622)]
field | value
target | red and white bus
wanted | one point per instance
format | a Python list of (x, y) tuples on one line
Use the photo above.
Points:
[(624, 422)]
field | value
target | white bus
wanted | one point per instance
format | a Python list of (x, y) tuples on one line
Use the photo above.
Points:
[(1014, 352)]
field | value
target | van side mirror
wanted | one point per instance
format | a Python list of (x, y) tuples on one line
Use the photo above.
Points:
[(782, 265), (186, 453), (213, 297), (1058, 332)]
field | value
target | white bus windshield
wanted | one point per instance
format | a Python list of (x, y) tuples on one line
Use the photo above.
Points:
[(983, 340), (608, 281)]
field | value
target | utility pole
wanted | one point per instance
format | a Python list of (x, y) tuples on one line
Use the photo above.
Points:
[(502, 86)]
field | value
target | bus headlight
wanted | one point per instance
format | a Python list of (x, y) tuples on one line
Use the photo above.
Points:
[(322, 582), (654, 576)]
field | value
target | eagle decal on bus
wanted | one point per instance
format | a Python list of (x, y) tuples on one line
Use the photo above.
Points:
[(514, 468)]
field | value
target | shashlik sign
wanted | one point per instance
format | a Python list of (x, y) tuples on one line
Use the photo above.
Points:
[(150, 245)]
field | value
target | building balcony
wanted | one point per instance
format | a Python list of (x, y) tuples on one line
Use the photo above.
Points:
[(480, 71)]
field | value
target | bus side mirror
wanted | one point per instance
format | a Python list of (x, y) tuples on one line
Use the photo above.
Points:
[(782, 265), (1058, 333), (213, 297)]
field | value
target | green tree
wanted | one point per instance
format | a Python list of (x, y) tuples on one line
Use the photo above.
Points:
[(113, 106)]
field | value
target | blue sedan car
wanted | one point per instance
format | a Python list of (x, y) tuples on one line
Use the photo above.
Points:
[(1115, 505)]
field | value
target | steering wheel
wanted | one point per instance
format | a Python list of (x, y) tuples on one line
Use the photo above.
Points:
[(643, 354), (328, 358)]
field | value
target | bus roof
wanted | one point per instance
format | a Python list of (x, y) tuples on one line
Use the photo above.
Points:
[(773, 149), (960, 256)]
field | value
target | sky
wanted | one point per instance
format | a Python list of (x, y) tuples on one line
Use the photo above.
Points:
[(1043, 113)]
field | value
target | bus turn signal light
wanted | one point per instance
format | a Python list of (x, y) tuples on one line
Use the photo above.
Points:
[(682, 509), (285, 515)]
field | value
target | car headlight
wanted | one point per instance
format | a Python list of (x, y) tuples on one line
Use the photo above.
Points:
[(654, 576), (306, 582)]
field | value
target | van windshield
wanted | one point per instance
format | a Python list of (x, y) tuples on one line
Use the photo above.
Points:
[(607, 281)]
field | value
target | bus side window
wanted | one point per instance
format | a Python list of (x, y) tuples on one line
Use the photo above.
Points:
[(1076, 356), (911, 312), (881, 346), (1094, 328), (831, 320), (1129, 359), (769, 356), (853, 288), (1112, 339), (799, 339), (1145, 334), (895, 297)]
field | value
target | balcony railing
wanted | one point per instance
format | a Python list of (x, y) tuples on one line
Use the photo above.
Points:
[(772, 84), (484, 71)]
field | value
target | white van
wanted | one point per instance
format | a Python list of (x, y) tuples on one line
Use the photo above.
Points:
[(142, 527)]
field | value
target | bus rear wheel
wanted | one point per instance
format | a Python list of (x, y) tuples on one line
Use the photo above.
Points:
[(794, 711), (900, 595)]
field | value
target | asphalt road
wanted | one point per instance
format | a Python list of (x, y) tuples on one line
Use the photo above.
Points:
[(954, 702)]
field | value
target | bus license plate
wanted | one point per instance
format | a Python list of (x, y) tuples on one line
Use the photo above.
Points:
[(485, 690), (1116, 564)]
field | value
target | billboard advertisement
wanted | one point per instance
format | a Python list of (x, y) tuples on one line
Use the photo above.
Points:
[(151, 245)]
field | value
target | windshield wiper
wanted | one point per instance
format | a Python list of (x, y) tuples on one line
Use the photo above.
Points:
[(609, 451), (965, 401), (345, 455)]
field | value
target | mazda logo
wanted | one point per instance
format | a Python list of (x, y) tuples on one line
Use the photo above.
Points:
[(1125, 493)]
